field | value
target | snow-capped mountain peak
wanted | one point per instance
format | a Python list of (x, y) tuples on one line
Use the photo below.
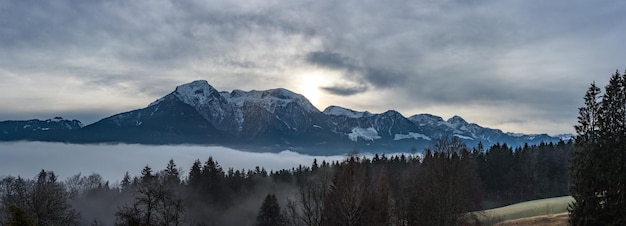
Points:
[(196, 93), (457, 120), (198, 113), (340, 111), (393, 113), (425, 119), (270, 99)]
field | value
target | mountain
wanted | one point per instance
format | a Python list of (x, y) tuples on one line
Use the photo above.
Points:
[(171, 121), (198, 113), (269, 120), (472, 133), (34, 129), (389, 130)]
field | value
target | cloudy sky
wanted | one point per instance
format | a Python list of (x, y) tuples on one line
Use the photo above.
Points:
[(521, 66)]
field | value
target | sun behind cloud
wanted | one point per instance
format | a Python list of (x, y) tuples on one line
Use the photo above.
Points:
[(309, 87)]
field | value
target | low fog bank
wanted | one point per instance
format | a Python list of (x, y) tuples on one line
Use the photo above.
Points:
[(26, 159)]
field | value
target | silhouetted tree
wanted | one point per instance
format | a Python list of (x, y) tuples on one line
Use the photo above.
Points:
[(308, 206), (195, 175), (172, 174), (448, 185), (345, 202), (155, 203), (43, 200), (598, 166), (270, 213)]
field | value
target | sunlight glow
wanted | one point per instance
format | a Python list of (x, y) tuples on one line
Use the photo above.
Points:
[(309, 87)]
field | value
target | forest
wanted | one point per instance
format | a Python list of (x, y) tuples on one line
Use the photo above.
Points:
[(439, 187)]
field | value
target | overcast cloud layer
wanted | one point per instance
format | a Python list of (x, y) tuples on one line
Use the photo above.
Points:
[(520, 66)]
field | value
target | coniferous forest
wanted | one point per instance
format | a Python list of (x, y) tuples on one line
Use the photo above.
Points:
[(438, 187)]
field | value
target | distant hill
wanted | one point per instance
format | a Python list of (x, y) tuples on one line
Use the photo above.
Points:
[(270, 120)]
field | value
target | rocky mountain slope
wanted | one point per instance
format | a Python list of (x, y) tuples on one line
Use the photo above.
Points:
[(270, 120)]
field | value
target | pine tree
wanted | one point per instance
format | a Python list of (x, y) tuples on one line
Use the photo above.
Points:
[(212, 181), (195, 175), (270, 213), (126, 182), (172, 175), (598, 169)]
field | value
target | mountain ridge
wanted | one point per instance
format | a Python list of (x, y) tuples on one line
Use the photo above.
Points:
[(268, 120)]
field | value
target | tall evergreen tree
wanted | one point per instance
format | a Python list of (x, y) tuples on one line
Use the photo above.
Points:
[(125, 185), (212, 181), (195, 175), (598, 179), (270, 213), (172, 174)]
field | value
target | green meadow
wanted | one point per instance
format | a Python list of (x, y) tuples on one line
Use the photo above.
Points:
[(527, 209)]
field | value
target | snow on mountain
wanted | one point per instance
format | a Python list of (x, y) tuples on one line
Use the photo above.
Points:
[(67, 123), (472, 133), (280, 112), (463, 137), (387, 125), (340, 111), (269, 99), (273, 114), (425, 119), (457, 121), (206, 100), (523, 136), (411, 135), (197, 93), (35, 129), (368, 134), (566, 136), (196, 112), (515, 134)]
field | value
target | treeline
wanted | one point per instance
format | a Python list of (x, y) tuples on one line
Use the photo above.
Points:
[(511, 175), (438, 187)]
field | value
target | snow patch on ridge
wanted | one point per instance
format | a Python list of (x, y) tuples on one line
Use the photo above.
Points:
[(365, 134), (195, 93), (340, 111), (269, 99), (515, 134), (411, 135), (463, 137)]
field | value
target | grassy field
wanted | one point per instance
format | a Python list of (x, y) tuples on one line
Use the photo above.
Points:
[(527, 209), (544, 220)]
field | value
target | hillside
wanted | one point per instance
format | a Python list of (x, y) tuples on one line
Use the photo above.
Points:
[(528, 209)]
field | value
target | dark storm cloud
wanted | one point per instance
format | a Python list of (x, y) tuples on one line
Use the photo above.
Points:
[(378, 77), (345, 90), (332, 60)]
